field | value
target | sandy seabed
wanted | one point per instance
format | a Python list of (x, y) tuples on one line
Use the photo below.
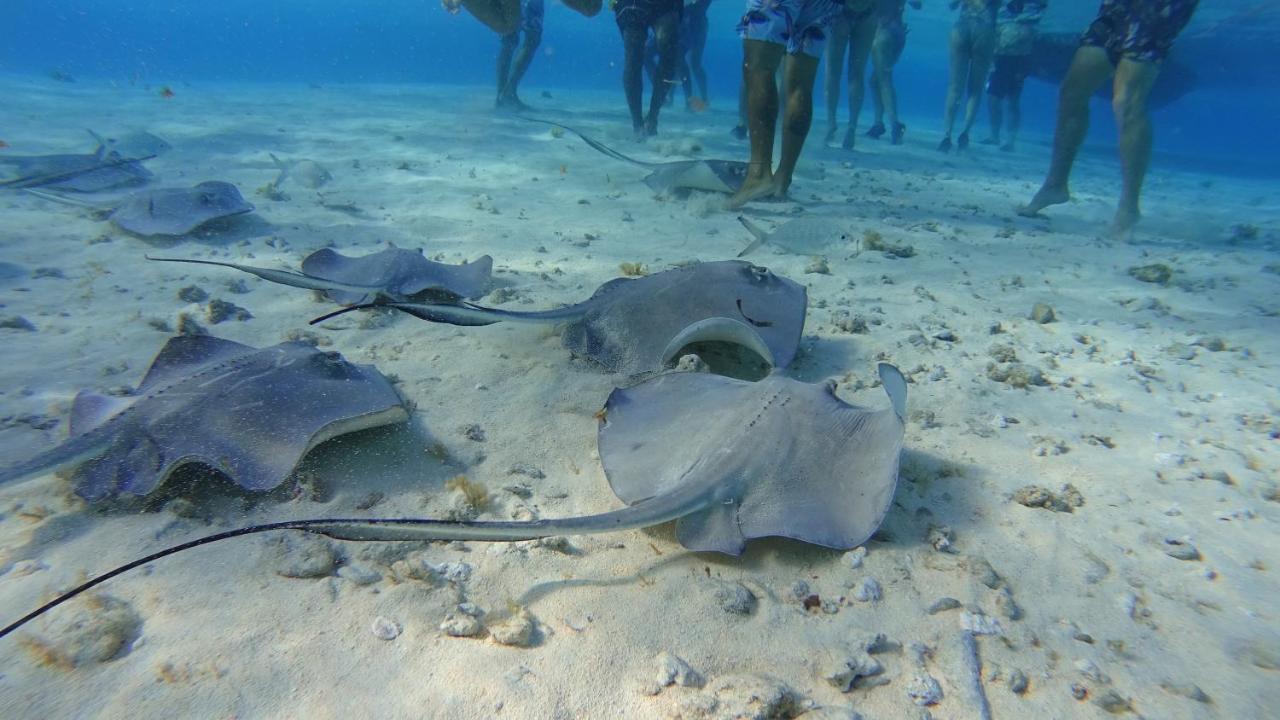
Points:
[(1155, 596)]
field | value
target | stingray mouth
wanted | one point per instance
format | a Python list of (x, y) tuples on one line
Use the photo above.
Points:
[(730, 347)]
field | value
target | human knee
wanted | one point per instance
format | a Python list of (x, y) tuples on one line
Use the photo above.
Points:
[(1128, 106)]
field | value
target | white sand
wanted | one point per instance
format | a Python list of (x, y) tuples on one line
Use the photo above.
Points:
[(224, 636)]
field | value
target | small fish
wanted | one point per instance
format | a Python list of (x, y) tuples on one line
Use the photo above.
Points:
[(564, 169), (697, 104), (3, 145), (809, 235), (166, 92)]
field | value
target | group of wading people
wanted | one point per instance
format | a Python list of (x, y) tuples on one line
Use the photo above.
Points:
[(783, 42)]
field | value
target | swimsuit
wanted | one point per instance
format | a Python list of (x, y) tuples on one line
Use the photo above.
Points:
[(800, 25), (1139, 30), (643, 14), (891, 33), (531, 13), (854, 13), (1008, 73), (976, 27), (1015, 39)]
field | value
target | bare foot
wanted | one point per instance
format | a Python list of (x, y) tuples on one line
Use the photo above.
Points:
[(1123, 223), (1045, 197), (752, 190), (850, 136), (830, 137)]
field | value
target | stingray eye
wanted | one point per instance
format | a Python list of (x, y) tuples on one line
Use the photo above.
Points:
[(206, 198), (760, 273)]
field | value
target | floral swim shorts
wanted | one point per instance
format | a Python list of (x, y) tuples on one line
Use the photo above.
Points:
[(1141, 30), (800, 25)]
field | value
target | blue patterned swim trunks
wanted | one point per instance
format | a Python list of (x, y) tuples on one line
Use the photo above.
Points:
[(800, 25), (1140, 30), (531, 14)]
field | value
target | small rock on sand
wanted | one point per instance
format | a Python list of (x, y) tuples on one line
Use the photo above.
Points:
[(100, 629), (1158, 273), (1035, 496), (943, 604), (843, 673), (735, 598), (1018, 375), (302, 556), (1181, 549), (924, 690), (461, 626), (672, 670), (385, 629), (868, 591), (220, 310), (1018, 682), (741, 697), (1043, 314), (520, 630)]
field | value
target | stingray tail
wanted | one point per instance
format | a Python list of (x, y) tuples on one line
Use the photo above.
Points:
[(283, 277), (644, 514), (60, 198), (756, 231), (72, 452), (110, 160), (595, 144), (464, 314)]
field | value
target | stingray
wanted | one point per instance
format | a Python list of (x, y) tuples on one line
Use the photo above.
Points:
[(168, 212), (307, 173), (103, 169), (390, 275), (807, 235), (728, 460), (249, 413), (640, 325), (722, 176)]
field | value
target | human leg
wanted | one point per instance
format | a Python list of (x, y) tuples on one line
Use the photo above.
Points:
[(697, 45), (531, 15), (1133, 83), (1015, 119), (959, 71), (633, 39), (981, 50), (799, 72), (666, 33), (506, 50), (838, 36), (861, 36), (1089, 69), (761, 60), (501, 16), (995, 110)]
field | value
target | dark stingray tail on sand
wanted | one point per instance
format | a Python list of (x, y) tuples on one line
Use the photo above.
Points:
[(110, 160), (595, 144), (464, 314), (644, 514)]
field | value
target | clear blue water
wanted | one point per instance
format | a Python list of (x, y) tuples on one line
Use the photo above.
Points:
[(1227, 124)]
